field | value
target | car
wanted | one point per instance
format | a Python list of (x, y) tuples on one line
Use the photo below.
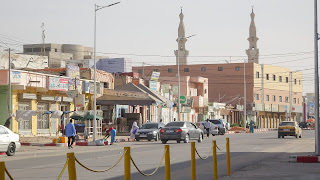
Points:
[(149, 131), (220, 124), (226, 124), (289, 128), (9, 141), (214, 129), (180, 131)]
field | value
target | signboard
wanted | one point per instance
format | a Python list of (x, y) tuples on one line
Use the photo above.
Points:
[(175, 90), (73, 71), (72, 84), (72, 93), (183, 99), (29, 96), (80, 100), (153, 85), (15, 77), (165, 88), (85, 87), (59, 84), (67, 99), (155, 76), (47, 98)]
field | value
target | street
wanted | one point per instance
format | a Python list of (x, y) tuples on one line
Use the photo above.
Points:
[(246, 150)]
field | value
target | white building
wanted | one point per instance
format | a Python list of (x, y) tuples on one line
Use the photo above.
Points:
[(23, 61), (115, 65)]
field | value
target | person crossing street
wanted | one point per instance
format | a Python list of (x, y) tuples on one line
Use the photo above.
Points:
[(70, 133), (207, 126)]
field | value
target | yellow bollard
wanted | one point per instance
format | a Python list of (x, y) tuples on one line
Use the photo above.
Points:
[(215, 164), (193, 160), (72, 166), (127, 170), (167, 162), (228, 157), (2, 170)]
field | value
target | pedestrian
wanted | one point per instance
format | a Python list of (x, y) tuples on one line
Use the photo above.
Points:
[(70, 133), (251, 126), (133, 130), (174, 119), (207, 126), (108, 133), (113, 133), (161, 120)]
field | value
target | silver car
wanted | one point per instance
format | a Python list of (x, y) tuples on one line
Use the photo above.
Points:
[(214, 129), (9, 141)]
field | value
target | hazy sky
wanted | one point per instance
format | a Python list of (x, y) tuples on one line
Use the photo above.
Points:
[(146, 30)]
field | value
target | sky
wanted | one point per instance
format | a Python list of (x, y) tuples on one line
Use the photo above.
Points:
[(146, 30)]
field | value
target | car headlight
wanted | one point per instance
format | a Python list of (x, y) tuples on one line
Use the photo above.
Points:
[(137, 133)]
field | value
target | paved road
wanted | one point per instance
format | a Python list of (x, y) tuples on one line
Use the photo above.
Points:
[(247, 150)]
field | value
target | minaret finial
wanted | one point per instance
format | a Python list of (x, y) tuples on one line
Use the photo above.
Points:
[(253, 51), (181, 9), (252, 8)]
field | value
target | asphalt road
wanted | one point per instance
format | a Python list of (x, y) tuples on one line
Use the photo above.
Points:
[(32, 163)]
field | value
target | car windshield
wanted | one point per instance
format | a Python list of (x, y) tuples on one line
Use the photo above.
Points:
[(149, 126), (287, 124), (215, 121), (171, 124)]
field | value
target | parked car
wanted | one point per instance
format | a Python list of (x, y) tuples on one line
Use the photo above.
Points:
[(214, 129), (9, 141), (180, 131), (289, 128), (220, 124), (149, 131), (226, 124)]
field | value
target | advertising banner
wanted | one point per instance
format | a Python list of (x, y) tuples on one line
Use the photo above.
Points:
[(155, 76), (59, 84), (85, 86), (15, 77), (153, 85), (73, 71)]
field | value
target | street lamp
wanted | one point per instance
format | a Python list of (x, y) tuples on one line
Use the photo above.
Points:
[(96, 8), (178, 64)]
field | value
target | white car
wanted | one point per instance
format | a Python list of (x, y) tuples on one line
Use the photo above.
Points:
[(214, 129), (9, 141)]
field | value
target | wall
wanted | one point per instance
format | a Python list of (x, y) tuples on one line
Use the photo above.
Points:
[(3, 104)]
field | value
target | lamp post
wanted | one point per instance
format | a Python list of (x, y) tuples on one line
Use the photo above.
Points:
[(178, 64), (96, 8), (316, 77)]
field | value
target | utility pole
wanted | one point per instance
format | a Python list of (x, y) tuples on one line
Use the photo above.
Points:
[(142, 70), (290, 95), (178, 64), (316, 77), (9, 91), (262, 92), (245, 96), (43, 39)]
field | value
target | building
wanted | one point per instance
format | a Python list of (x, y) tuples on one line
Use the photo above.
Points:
[(23, 61), (115, 65), (273, 93), (59, 52), (181, 53)]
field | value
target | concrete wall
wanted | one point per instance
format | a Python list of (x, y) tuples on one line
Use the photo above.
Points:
[(3, 104)]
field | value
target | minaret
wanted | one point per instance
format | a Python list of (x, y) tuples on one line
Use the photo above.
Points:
[(183, 53), (253, 51)]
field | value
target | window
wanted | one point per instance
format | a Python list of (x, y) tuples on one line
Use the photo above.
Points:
[(287, 79), (267, 97), (140, 71), (155, 70), (257, 96), (267, 76), (186, 69), (257, 74), (295, 100), (3, 131), (220, 68), (169, 70), (274, 98), (287, 99), (205, 91), (106, 85), (280, 78), (55, 50), (27, 50), (295, 81), (47, 49), (237, 68), (274, 77), (203, 69), (280, 98), (298, 101), (36, 49)]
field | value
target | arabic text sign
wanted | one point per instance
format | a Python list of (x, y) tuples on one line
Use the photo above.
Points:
[(59, 84)]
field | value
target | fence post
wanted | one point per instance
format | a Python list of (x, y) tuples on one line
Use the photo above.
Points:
[(214, 155), (2, 170), (228, 157), (127, 170), (193, 160), (167, 161), (72, 166)]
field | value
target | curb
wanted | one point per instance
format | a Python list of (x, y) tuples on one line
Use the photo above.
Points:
[(305, 159), (47, 144)]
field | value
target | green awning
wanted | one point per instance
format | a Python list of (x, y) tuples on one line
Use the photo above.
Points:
[(88, 116)]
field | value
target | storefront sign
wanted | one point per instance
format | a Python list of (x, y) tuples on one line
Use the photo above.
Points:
[(59, 84), (73, 71), (153, 85), (15, 77), (165, 88), (67, 99), (29, 96), (85, 86), (183, 99), (80, 100), (275, 108), (47, 98), (72, 84), (155, 76)]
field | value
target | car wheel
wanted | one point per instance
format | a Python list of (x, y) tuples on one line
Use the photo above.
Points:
[(187, 138), (11, 149), (137, 139), (279, 136), (164, 141), (178, 141), (213, 134), (282, 136), (296, 135), (200, 138), (149, 139), (300, 136), (157, 137)]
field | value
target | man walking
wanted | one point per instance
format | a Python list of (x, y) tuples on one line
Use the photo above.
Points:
[(207, 126), (251, 126), (70, 133)]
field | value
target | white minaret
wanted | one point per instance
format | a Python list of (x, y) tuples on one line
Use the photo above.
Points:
[(183, 53), (253, 51)]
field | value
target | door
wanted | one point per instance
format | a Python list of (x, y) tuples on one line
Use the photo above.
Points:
[(191, 129), (4, 139), (42, 119), (24, 124)]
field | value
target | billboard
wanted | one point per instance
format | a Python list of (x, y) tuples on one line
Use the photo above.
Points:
[(155, 76), (59, 84), (153, 85)]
